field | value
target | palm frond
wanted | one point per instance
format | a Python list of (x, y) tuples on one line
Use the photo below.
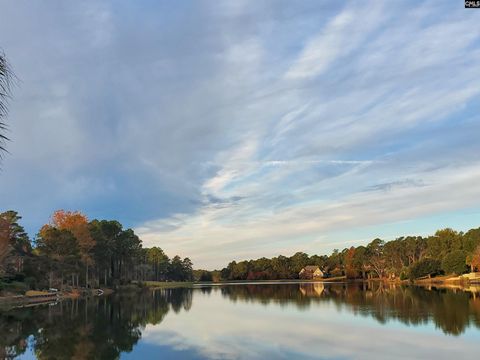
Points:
[(5, 86)]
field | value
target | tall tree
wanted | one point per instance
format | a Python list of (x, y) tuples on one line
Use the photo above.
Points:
[(176, 268), (350, 270), (187, 269), (473, 260), (159, 262), (18, 236), (61, 246), (5, 81), (77, 224), (127, 249), (360, 260), (471, 240), (4, 243), (281, 267), (335, 262), (106, 234), (15, 238), (376, 258)]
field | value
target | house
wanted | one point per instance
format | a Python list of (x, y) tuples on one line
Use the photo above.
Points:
[(310, 272)]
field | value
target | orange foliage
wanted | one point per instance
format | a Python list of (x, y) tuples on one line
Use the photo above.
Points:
[(43, 230), (475, 260), (77, 224)]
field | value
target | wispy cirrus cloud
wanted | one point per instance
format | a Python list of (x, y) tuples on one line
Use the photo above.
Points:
[(345, 32), (364, 101), (236, 131)]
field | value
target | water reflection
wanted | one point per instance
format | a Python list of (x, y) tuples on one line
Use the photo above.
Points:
[(230, 321), (450, 310), (99, 328)]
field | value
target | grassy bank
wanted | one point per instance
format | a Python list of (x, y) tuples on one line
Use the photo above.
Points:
[(470, 278), (167, 284)]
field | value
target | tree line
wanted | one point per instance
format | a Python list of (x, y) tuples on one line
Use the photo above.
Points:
[(411, 257), (71, 251)]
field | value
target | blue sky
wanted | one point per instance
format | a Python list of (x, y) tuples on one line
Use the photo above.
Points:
[(240, 129)]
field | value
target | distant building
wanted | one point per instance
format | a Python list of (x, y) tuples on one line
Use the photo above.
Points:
[(310, 272)]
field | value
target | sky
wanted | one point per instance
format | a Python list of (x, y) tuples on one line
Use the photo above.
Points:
[(224, 130)]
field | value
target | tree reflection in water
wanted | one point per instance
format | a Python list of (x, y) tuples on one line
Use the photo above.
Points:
[(102, 328), (99, 328), (451, 311)]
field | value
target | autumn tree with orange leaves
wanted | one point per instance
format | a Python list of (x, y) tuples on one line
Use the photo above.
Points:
[(474, 260), (77, 224)]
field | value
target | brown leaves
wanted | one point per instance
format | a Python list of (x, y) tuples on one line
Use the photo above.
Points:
[(474, 259), (77, 224)]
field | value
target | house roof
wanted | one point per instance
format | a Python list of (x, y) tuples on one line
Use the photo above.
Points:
[(311, 268)]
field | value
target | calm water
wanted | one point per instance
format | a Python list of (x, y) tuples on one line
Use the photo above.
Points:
[(252, 321)]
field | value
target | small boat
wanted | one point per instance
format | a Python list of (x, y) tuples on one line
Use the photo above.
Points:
[(98, 292)]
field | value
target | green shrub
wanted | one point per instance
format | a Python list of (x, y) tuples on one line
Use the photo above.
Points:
[(425, 267), (455, 263), (15, 286), (206, 276)]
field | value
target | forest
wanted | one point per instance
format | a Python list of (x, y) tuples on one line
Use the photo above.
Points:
[(70, 252), (410, 257)]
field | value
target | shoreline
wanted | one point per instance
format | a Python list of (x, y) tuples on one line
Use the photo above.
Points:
[(16, 300), (443, 282)]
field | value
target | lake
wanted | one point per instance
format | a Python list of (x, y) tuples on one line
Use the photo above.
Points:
[(251, 321)]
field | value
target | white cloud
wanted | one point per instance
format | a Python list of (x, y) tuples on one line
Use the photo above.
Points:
[(345, 32), (224, 132), (250, 229), (299, 177)]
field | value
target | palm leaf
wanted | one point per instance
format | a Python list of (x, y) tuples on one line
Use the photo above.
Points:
[(5, 83)]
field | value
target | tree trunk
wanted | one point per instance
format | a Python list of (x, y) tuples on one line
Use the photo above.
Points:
[(86, 277), (112, 267)]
